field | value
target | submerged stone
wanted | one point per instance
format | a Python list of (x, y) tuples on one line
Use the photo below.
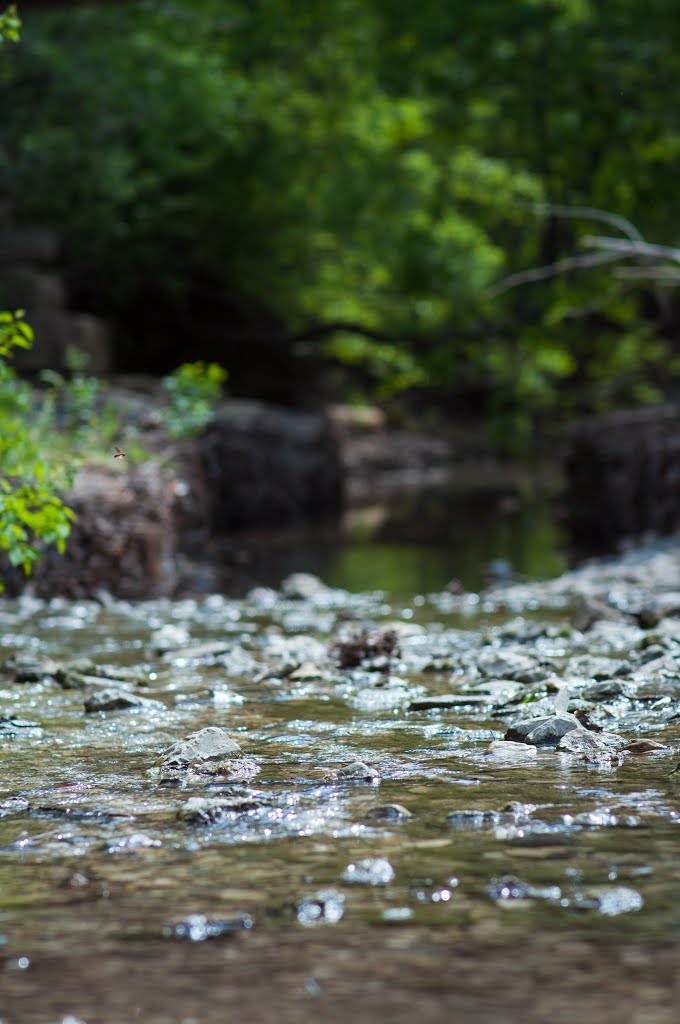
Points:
[(510, 750), (449, 700), (582, 741), (389, 812), (199, 810)]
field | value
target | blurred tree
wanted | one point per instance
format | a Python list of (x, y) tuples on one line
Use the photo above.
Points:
[(357, 176)]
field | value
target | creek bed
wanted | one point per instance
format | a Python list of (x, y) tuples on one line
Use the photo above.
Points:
[(375, 847)]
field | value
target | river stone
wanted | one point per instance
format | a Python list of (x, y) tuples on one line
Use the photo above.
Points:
[(606, 689), (495, 663), (509, 750), (582, 741), (30, 668), (543, 731), (208, 651), (199, 810), (208, 746), (117, 699), (643, 746), (83, 673), (355, 770), (449, 700), (389, 812)]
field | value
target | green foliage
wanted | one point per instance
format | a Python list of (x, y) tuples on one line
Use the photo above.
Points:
[(14, 332), (193, 391), (32, 514), (376, 165), (9, 25), (71, 400)]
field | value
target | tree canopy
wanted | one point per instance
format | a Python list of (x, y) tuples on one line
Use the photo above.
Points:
[(367, 173)]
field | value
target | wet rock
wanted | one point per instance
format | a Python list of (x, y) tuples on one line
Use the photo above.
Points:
[(30, 668), (116, 699), (544, 731), (357, 770), (83, 674), (582, 741), (504, 663), (14, 805), (12, 726), (643, 746), (197, 653), (306, 672), (389, 812), (476, 821), (607, 689), (324, 907), (510, 750), (123, 539), (200, 810), (207, 751), (369, 871), (374, 650), (449, 700), (198, 928)]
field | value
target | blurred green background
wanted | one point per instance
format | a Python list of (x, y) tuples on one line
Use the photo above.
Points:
[(351, 182)]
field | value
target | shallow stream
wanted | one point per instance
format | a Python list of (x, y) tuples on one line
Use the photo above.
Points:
[(352, 807)]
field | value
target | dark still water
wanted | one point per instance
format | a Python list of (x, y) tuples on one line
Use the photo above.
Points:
[(422, 542)]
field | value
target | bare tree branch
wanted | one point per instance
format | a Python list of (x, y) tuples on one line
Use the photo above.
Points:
[(626, 249), (552, 270), (615, 220)]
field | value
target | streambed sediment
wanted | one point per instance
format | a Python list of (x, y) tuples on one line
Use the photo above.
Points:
[(317, 802)]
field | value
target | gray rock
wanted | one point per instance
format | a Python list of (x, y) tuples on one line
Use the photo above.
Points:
[(582, 741), (545, 731), (355, 770), (449, 700), (117, 699), (504, 663), (200, 810), (389, 812), (607, 689), (206, 748), (208, 651), (510, 750), (30, 668)]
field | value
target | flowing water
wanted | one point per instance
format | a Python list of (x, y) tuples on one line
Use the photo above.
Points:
[(99, 866)]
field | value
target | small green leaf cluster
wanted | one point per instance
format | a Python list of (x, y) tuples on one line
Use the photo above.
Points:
[(32, 512), (10, 25), (193, 390)]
